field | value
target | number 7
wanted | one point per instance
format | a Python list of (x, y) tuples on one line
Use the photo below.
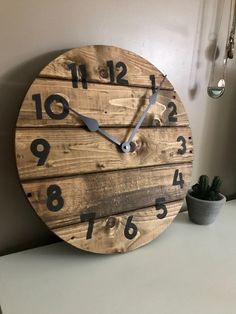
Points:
[(90, 217)]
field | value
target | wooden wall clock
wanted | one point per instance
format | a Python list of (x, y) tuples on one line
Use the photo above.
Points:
[(104, 149)]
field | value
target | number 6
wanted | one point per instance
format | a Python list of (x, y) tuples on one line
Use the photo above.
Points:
[(130, 229)]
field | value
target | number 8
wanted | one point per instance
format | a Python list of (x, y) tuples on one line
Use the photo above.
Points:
[(55, 201)]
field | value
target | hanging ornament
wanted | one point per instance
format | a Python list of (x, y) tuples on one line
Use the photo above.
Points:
[(224, 48)]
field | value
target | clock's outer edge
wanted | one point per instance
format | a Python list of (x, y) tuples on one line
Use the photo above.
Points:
[(108, 225)]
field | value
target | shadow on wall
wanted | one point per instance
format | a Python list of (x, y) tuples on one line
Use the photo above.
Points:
[(219, 158), (20, 227)]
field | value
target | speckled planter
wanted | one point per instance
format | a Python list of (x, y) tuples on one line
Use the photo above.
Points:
[(203, 212)]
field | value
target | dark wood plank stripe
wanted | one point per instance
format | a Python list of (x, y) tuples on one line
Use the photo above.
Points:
[(108, 193)]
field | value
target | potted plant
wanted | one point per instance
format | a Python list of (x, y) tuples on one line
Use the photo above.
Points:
[(204, 201)]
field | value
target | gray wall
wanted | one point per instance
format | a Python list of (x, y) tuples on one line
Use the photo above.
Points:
[(34, 32)]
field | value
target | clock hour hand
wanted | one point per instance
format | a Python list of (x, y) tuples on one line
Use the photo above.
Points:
[(152, 100), (93, 126)]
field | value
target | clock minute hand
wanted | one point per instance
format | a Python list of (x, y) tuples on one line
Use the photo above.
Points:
[(93, 126), (152, 100)]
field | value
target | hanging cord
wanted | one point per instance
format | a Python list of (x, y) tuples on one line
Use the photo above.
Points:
[(230, 42)]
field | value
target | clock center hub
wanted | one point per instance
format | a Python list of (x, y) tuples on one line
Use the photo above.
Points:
[(125, 147)]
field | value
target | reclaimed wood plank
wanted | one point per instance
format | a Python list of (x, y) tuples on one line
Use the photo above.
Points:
[(108, 233), (110, 105), (76, 151), (105, 193), (95, 60)]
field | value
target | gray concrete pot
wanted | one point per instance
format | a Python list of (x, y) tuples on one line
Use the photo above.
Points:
[(203, 212)]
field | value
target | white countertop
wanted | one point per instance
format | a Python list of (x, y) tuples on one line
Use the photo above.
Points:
[(189, 269)]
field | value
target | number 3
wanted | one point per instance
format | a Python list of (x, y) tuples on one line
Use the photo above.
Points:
[(182, 150)]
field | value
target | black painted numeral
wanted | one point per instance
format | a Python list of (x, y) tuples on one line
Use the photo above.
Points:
[(120, 79), (42, 154), (172, 115), (160, 204), (83, 71), (153, 81), (110, 66), (48, 106), (120, 76), (182, 150), (38, 105), (54, 201), (74, 74), (58, 99), (90, 218), (131, 229), (178, 178)]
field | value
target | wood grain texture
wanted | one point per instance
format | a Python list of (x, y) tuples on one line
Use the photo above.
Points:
[(110, 105), (109, 238), (95, 58), (107, 193), (84, 173), (76, 151)]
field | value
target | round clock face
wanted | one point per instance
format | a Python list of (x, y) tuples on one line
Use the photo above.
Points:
[(104, 149)]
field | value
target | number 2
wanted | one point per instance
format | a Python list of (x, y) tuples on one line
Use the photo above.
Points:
[(172, 115), (120, 79)]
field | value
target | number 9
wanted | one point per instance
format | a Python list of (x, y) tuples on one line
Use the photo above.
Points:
[(41, 154)]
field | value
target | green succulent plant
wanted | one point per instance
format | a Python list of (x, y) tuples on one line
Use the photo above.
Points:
[(204, 191)]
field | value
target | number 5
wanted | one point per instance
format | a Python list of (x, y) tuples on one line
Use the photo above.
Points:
[(160, 204)]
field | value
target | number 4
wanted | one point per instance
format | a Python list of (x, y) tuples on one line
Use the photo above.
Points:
[(179, 181)]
